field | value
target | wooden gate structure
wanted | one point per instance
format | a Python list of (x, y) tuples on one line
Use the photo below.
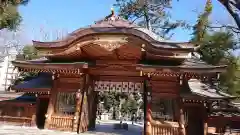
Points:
[(114, 54)]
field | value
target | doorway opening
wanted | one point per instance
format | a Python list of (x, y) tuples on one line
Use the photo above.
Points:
[(195, 121), (41, 111), (120, 106)]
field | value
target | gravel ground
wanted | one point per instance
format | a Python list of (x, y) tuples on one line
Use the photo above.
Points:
[(104, 128)]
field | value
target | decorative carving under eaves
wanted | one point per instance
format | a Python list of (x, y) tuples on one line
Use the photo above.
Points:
[(215, 105), (110, 42), (44, 53), (113, 68), (118, 86), (219, 104)]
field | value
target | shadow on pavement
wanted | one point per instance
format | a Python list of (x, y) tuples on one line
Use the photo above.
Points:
[(103, 129)]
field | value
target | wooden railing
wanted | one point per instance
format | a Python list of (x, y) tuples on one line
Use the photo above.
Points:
[(164, 129), (20, 121), (221, 131), (155, 127), (64, 123)]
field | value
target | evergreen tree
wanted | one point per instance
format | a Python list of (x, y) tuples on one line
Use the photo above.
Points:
[(150, 14), (30, 52), (9, 15), (216, 48)]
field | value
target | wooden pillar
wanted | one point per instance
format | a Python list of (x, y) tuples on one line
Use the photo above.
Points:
[(205, 121), (79, 96), (33, 122), (181, 117), (95, 103), (205, 126), (93, 100), (180, 110), (82, 122), (52, 101), (78, 109), (147, 109)]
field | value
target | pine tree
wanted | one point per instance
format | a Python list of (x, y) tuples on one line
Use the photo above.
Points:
[(150, 14), (216, 49)]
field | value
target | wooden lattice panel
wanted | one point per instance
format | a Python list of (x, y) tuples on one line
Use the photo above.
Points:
[(118, 86)]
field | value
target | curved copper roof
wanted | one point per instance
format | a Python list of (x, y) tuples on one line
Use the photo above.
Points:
[(115, 25)]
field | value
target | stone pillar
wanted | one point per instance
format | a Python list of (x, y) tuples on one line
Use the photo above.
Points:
[(52, 101)]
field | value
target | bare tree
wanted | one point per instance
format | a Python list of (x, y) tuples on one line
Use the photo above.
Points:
[(49, 35), (11, 39)]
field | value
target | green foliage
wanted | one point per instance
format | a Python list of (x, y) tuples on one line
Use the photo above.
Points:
[(130, 105), (216, 49), (9, 15), (24, 76), (112, 100), (199, 30), (150, 14), (30, 52), (229, 81)]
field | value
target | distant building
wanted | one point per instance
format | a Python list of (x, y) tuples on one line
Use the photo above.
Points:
[(7, 72)]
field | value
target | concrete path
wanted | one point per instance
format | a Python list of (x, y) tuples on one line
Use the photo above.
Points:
[(104, 128)]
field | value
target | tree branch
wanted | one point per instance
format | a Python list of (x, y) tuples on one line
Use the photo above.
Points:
[(233, 28), (226, 4)]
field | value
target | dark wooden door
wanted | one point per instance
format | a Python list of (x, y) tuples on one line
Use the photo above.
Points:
[(195, 121), (41, 111)]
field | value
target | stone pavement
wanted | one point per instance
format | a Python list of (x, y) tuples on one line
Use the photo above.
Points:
[(101, 129)]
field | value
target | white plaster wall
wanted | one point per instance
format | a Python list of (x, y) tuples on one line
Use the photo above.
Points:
[(7, 72)]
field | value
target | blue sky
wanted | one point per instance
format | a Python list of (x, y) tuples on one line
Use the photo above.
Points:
[(58, 15)]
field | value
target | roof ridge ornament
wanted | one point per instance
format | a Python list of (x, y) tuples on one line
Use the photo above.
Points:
[(112, 16), (112, 11)]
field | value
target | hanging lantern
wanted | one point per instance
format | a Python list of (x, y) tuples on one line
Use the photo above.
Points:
[(149, 92), (181, 80), (149, 97), (78, 93)]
